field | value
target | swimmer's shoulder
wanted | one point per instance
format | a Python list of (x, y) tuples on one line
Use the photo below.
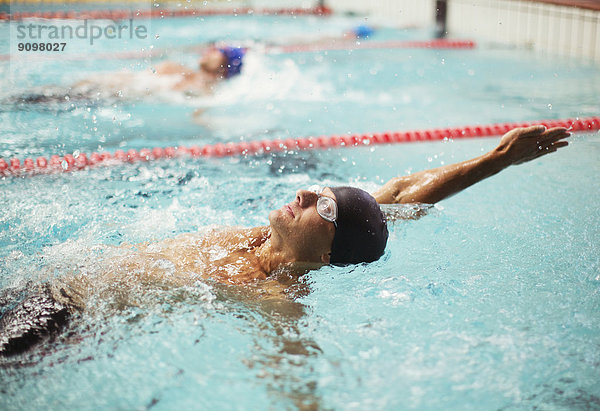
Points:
[(262, 232), (196, 84), (169, 67), (247, 238)]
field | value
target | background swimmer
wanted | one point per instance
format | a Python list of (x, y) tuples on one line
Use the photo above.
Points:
[(352, 36), (216, 65), (314, 229)]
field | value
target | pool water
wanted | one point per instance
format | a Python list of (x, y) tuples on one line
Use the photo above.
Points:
[(490, 301)]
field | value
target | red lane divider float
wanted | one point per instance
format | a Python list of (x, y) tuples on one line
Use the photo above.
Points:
[(154, 13), (354, 45), (71, 162)]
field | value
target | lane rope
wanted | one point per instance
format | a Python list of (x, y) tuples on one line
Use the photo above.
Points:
[(425, 44), (80, 161), (154, 13)]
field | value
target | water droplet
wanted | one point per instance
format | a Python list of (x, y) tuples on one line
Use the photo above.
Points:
[(549, 106), (76, 153), (156, 36), (64, 165)]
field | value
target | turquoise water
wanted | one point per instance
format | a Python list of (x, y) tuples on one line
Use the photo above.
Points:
[(488, 302)]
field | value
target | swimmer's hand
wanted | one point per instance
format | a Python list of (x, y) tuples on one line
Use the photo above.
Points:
[(525, 144)]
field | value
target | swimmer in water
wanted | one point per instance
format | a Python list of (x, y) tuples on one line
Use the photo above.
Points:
[(333, 225), (216, 65), (308, 42)]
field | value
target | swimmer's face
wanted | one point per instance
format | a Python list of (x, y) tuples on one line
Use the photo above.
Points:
[(213, 62), (303, 232)]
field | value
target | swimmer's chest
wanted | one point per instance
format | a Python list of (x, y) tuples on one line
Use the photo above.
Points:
[(225, 255)]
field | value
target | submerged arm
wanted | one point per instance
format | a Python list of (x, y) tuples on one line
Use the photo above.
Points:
[(430, 186)]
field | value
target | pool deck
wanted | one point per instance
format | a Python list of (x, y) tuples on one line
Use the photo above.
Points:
[(583, 4)]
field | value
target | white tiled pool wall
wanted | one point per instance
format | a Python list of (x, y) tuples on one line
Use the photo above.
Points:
[(546, 28), (400, 13)]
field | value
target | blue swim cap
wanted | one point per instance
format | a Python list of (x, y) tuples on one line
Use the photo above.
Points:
[(361, 233), (363, 31), (235, 56)]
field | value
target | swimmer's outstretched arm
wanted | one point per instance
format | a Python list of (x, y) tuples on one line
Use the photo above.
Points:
[(430, 186)]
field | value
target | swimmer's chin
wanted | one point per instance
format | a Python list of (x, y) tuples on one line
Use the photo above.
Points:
[(274, 216)]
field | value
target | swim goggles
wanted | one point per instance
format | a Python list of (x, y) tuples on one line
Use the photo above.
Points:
[(326, 206)]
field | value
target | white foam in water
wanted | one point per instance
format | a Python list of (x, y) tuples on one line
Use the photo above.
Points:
[(268, 83), (152, 222), (267, 79)]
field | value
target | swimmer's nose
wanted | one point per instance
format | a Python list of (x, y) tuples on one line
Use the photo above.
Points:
[(306, 198)]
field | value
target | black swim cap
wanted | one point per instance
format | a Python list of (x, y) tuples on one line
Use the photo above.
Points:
[(361, 233)]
